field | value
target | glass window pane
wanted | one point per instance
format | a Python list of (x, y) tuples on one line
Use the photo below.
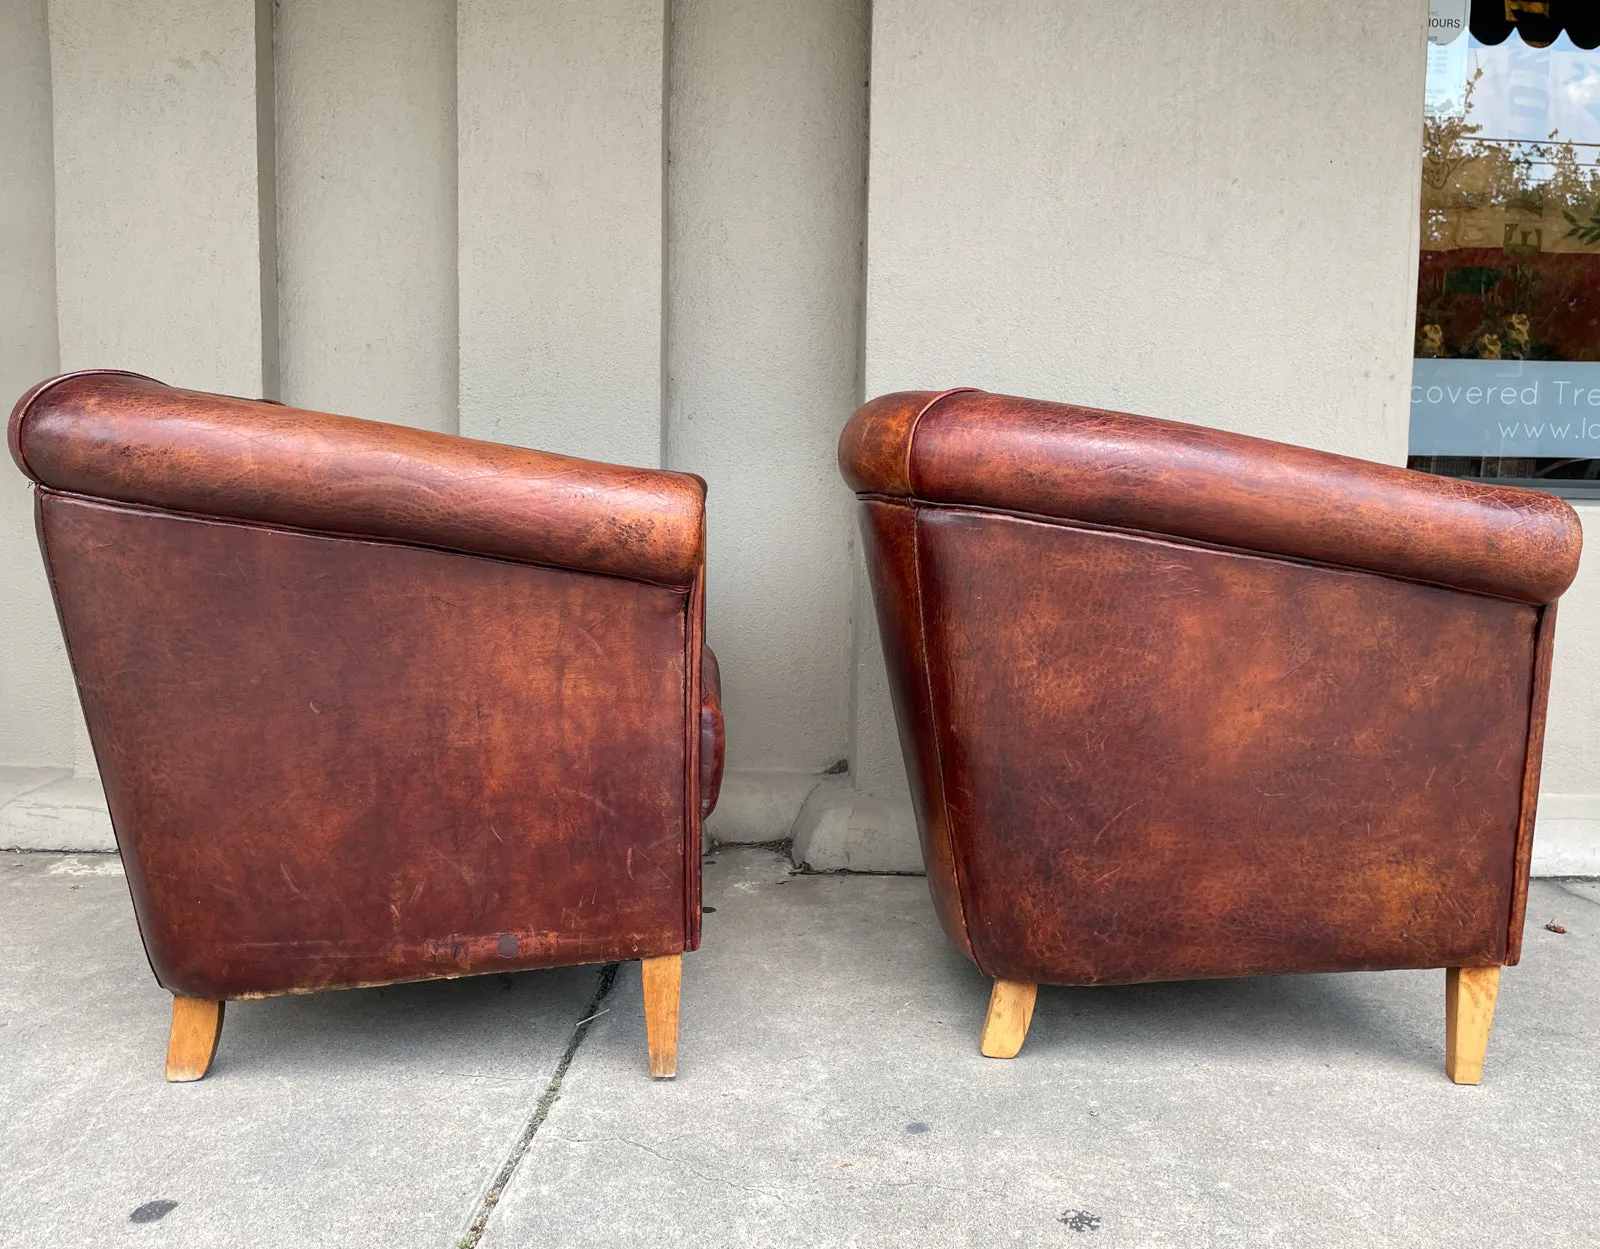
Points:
[(1506, 380)]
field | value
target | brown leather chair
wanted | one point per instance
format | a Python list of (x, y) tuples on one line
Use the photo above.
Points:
[(1177, 703), (372, 704)]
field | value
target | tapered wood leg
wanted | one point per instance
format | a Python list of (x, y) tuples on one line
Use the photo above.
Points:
[(196, 1026), (663, 978), (1469, 994), (1010, 1013)]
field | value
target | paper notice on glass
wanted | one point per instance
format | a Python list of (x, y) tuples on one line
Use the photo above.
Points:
[(1447, 20), (1447, 80)]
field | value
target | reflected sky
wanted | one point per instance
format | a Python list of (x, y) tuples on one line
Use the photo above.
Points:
[(1524, 93)]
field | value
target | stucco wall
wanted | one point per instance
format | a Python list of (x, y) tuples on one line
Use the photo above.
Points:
[(1201, 212), (36, 709), (155, 161), (766, 213), (457, 215), (366, 197), (559, 124), (159, 263), (645, 230), (158, 242)]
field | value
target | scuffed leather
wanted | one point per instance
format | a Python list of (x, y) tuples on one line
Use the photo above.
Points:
[(712, 741), (1139, 755), (129, 438), (336, 759), (1134, 472)]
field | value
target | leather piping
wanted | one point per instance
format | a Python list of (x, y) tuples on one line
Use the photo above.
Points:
[(341, 536), (956, 868), (911, 431), (693, 837), (979, 509)]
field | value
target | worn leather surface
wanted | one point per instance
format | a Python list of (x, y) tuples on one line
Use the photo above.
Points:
[(335, 760), (1109, 468), (1139, 756), (129, 438)]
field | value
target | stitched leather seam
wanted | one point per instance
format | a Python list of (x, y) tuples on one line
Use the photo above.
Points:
[(335, 535), (911, 433), (124, 852), (694, 696), (1151, 535), (933, 720)]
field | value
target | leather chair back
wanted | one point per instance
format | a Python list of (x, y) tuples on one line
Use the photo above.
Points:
[(373, 704), (1179, 703)]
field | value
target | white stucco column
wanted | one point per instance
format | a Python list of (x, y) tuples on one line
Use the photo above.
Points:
[(36, 698), (159, 223), (366, 129), (766, 212), (1203, 212), (559, 115)]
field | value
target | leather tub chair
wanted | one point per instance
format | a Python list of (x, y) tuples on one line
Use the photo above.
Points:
[(1177, 703), (372, 704)]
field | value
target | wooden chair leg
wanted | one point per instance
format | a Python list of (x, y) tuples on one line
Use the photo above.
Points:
[(196, 1027), (1010, 1013), (1469, 994), (663, 978)]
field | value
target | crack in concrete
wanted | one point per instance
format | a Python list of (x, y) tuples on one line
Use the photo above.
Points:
[(677, 1162), (1562, 883), (541, 1111)]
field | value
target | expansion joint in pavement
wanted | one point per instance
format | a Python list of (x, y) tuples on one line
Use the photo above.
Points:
[(1563, 884), (541, 1111)]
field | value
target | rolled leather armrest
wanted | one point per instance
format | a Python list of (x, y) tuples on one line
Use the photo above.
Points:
[(969, 448), (711, 731), (128, 438)]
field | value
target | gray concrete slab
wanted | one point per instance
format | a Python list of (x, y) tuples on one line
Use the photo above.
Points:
[(830, 1093), (1589, 889), (371, 1117)]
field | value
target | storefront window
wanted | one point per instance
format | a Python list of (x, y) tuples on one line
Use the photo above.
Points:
[(1506, 381)]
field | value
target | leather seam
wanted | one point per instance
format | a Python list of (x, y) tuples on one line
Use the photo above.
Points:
[(938, 744), (154, 509), (911, 433), (694, 696), (72, 665), (1152, 535)]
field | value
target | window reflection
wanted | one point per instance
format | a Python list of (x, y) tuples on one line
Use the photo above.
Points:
[(1506, 380)]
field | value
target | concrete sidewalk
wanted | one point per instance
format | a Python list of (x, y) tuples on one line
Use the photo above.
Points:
[(829, 1093)]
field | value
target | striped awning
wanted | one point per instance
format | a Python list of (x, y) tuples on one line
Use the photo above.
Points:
[(1538, 22)]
